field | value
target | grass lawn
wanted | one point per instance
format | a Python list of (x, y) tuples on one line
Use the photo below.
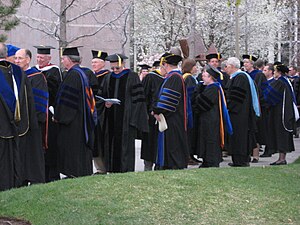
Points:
[(269, 195)]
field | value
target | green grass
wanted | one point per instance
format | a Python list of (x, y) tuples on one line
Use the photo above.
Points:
[(269, 195)]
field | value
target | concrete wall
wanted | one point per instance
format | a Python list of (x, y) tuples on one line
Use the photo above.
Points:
[(109, 39)]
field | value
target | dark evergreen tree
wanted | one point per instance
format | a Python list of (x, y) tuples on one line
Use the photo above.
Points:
[(8, 20)]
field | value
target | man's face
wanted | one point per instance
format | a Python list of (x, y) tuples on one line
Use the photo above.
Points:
[(65, 60), (116, 68), (268, 73), (43, 60), (21, 59), (248, 65), (230, 69), (214, 62), (97, 64), (292, 71)]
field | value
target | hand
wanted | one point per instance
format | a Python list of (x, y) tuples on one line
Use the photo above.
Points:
[(108, 104), (157, 117)]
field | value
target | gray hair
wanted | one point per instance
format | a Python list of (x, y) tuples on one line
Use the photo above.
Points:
[(75, 58), (223, 64), (234, 61), (3, 51)]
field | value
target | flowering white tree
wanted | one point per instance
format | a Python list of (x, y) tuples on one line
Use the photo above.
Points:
[(260, 25)]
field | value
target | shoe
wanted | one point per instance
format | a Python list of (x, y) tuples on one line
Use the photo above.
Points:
[(99, 173), (265, 155), (278, 163), (254, 160), (192, 162), (236, 165)]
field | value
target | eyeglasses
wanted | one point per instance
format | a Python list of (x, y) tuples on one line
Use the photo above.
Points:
[(115, 68)]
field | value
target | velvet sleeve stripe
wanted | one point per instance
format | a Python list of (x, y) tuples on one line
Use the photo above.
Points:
[(238, 95), (70, 89), (166, 107), (171, 92), (68, 104), (69, 97), (140, 99), (39, 92), (168, 100), (40, 100), (40, 108), (138, 94), (203, 103)]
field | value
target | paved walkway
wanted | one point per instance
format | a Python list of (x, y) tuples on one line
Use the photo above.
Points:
[(291, 157)]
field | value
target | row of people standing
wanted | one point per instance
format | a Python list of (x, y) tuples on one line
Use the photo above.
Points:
[(85, 127)]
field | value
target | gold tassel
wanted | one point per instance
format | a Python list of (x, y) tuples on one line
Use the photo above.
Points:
[(17, 111)]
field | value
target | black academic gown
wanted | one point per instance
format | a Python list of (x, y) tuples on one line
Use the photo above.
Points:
[(208, 139), (172, 104), (262, 132), (21, 153), (99, 134), (54, 78), (75, 153), (151, 84), (281, 116), (41, 96), (243, 119), (122, 122), (190, 85)]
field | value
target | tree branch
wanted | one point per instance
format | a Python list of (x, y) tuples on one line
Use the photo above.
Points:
[(100, 28), (97, 8), (67, 7), (46, 6)]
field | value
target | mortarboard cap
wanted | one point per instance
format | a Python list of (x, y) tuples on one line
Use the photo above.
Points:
[(144, 66), (170, 58), (42, 49), (214, 56), (11, 50), (250, 57), (71, 51), (281, 67), (99, 55), (116, 58), (213, 71), (156, 63)]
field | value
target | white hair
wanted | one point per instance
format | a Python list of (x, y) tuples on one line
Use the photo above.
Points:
[(234, 61)]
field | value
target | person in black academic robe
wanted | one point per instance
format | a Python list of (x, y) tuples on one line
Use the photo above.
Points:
[(76, 117), (259, 78), (122, 121), (189, 68), (53, 76), (39, 88), (173, 152), (151, 84), (243, 107), (21, 155), (282, 115), (210, 103), (98, 67)]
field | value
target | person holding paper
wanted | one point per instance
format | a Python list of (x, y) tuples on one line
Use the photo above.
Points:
[(173, 150), (122, 121)]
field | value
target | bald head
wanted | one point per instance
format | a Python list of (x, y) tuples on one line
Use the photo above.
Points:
[(23, 58)]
